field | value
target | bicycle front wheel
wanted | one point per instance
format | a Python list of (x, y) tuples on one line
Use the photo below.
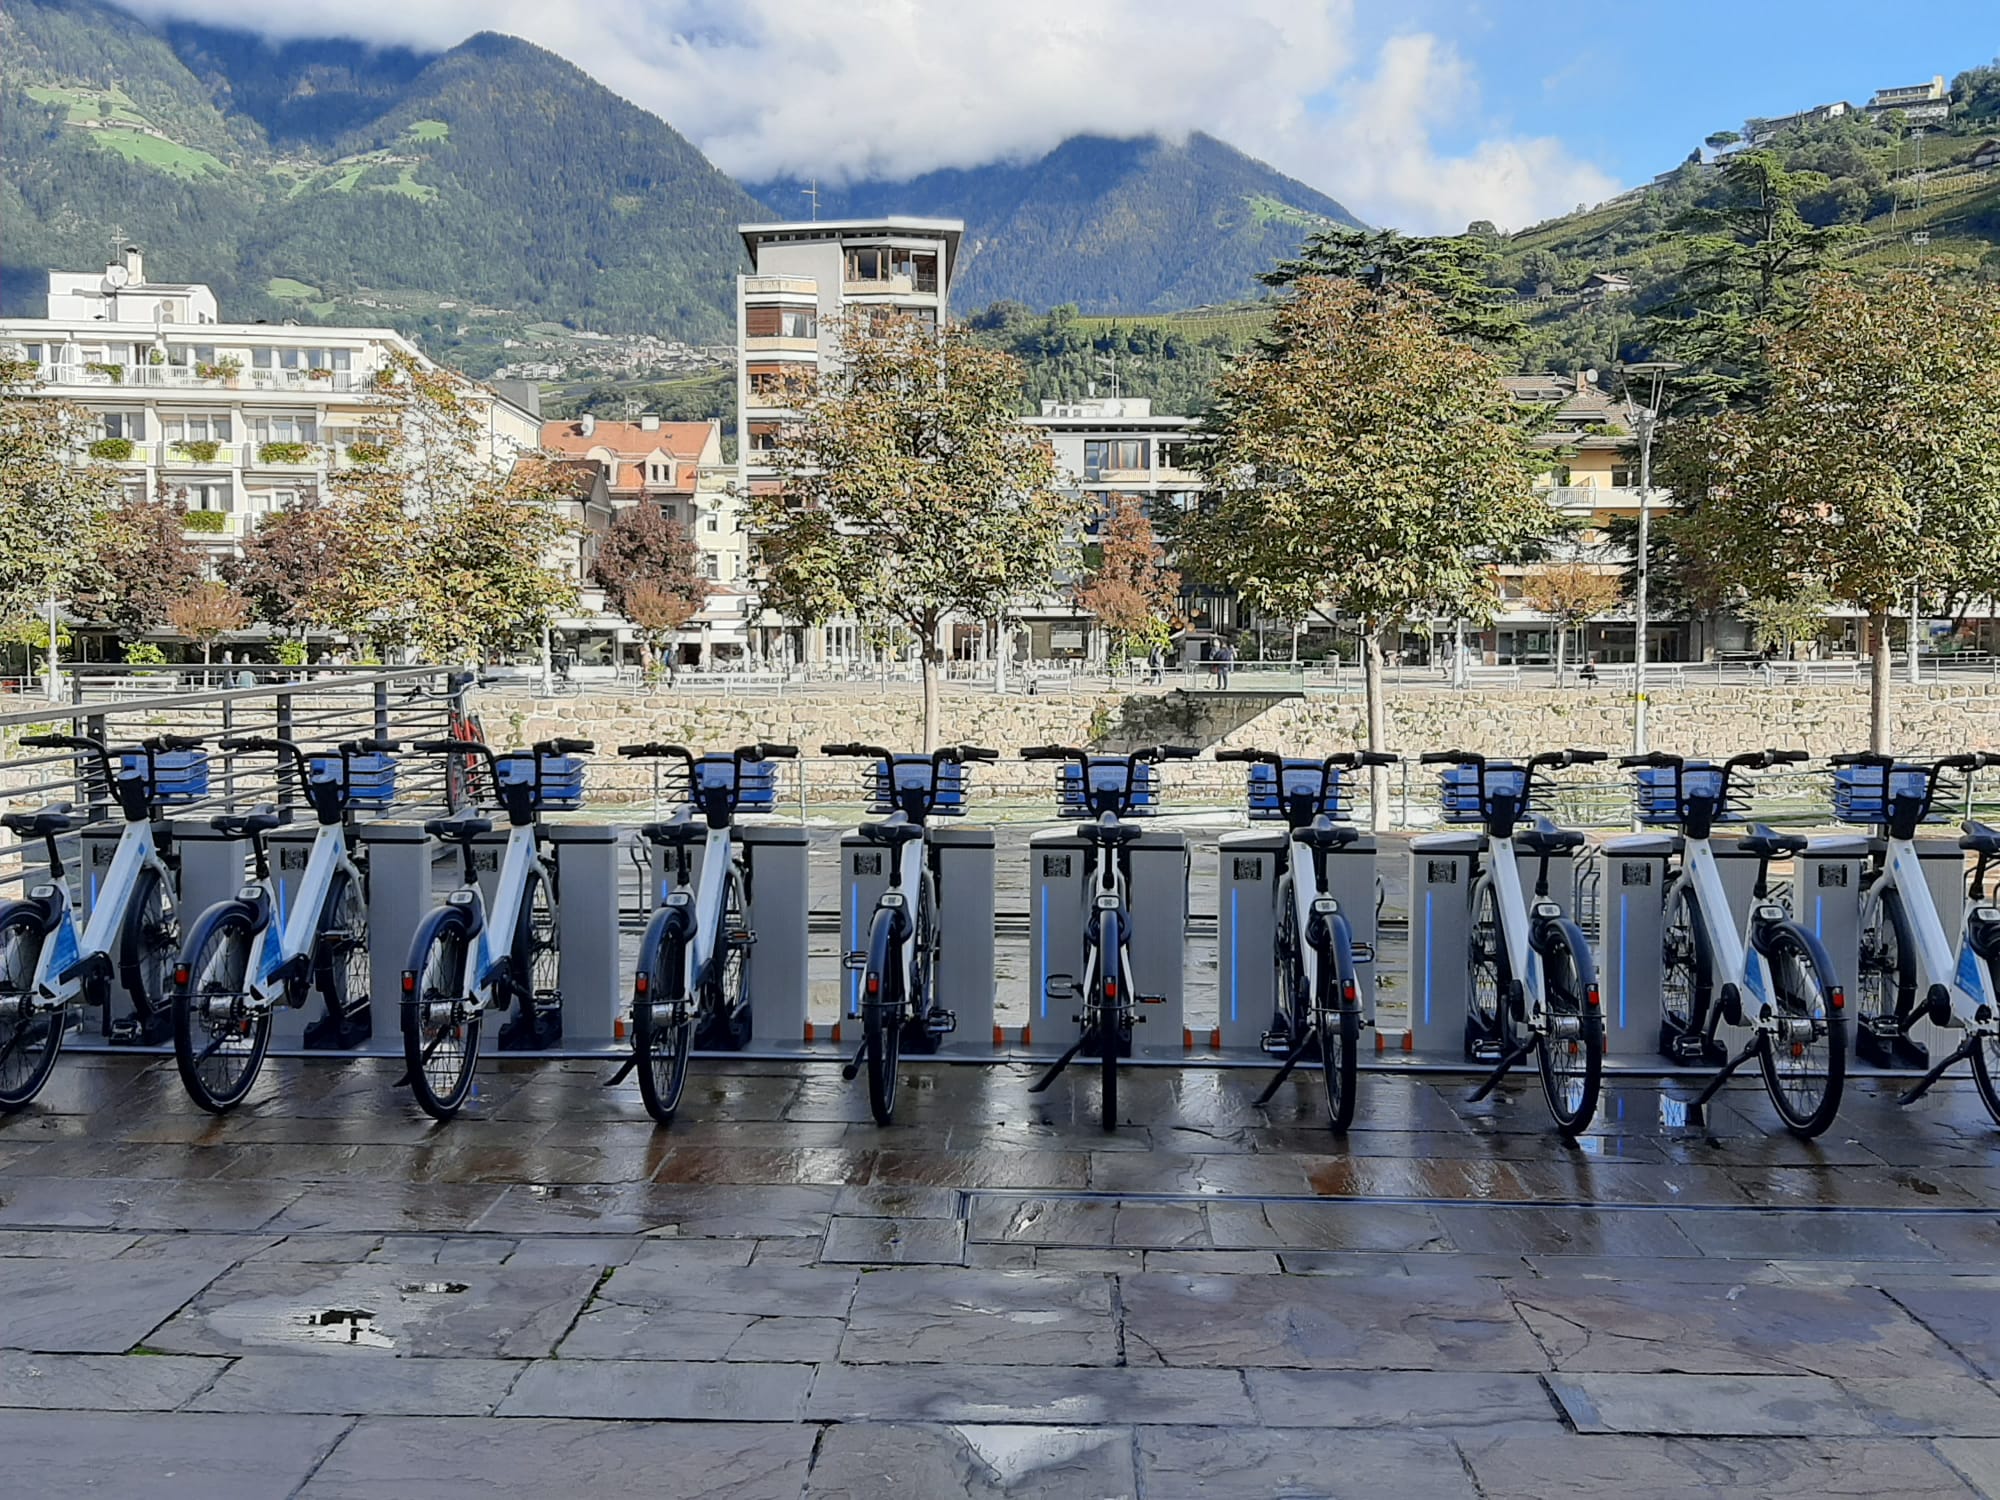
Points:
[(440, 1024), (1804, 1051), (30, 1036), (663, 1025), (1986, 1073), (1571, 1048), (1108, 1002), (882, 1013), (1338, 1020), (221, 1030)]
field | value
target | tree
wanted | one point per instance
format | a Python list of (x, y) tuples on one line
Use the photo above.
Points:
[(1874, 462), (297, 569), (140, 563), (910, 492), (206, 613), (1368, 459), (1451, 269), (1779, 622), (1722, 138), (1569, 591), (1131, 590), (648, 566), (50, 500), (479, 581)]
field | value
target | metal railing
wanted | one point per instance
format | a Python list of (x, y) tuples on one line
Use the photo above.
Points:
[(315, 708)]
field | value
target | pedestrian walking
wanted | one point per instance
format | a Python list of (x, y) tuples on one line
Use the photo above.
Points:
[(1156, 659), (1225, 659)]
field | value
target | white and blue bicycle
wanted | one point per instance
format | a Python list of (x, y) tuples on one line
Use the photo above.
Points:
[(249, 954), (52, 958), (692, 985), (470, 956)]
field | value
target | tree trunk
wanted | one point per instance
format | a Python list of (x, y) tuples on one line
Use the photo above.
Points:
[(1371, 680), (1881, 684), (929, 655), (1562, 646), (1001, 651)]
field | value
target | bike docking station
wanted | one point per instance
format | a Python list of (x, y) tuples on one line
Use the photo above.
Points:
[(961, 862), (1060, 863), (1251, 865)]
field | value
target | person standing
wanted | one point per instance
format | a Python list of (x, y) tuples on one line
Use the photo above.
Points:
[(1225, 661)]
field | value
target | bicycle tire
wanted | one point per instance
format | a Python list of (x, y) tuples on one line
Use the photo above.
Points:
[(1807, 1096), (726, 988), (663, 1044), (882, 1014), (1886, 949), (340, 949), (30, 1034), (148, 940), (1572, 1068), (536, 956), (1289, 981), (1685, 963), (1986, 1073), (1337, 1018), (220, 1034), (440, 1022), (1486, 962), (1110, 975)]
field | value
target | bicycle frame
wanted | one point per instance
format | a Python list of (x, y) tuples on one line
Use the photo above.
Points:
[(67, 955), (496, 923), (1963, 973), (1734, 955), (711, 882), (290, 936)]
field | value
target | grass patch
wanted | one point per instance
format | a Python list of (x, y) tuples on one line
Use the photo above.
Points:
[(428, 130), (627, 204), (170, 157), (287, 290), (83, 106), (406, 185), (1268, 210)]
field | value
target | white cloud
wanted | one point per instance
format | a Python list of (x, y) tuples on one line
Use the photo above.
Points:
[(889, 88)]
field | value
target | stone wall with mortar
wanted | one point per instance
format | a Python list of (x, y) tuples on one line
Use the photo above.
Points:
[(1716, 720)]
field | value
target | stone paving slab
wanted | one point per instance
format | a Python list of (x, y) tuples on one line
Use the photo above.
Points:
[(891, 1461), (103, 1382), (851, 1240), (1007, 1395), (92, 1307), (310, 1384), (926, 1315), (473, 1458), (1376, 1399), (1779, 1406), (1516, 1466), (1199, 1463), (661, 1389), (178, 1456)]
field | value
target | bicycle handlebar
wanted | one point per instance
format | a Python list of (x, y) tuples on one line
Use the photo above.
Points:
[(1451, 758), (564, 747)]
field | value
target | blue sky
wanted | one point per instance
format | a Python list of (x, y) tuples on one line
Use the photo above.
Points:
[(1424, 114)]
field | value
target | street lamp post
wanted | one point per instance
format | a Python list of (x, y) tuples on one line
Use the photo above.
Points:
[(1647, 419)]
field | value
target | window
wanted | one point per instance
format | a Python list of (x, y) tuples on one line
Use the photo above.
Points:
[(286, 428), (210, 496), (1174, 453), (767, 321), (764, 437), (1102, 454), (797, 323), (869, 263), (1625, 476), (198, 428), (774, 382), (709, 570), (712, 523), (122, 424)]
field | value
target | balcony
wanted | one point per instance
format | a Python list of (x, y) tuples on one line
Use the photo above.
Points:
[(198, 454), (1583, 498), (897, 285), (99, 377), (286, 457), (780, 286)]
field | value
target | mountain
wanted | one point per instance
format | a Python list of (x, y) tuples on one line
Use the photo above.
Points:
[(326, 180), (1110, 225)]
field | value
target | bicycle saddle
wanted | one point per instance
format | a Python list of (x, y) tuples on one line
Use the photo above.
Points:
[(1327, 835), (1111, 835), (1768, 843), (245, 825), (55, 818), (1980, 838), (1543, 837), (674, 832), (893, 833), (462, 829)]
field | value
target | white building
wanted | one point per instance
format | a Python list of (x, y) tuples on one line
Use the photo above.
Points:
[(236, 419), (1918, 103)]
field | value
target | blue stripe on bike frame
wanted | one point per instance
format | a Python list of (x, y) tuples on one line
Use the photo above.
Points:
[(854, 946)]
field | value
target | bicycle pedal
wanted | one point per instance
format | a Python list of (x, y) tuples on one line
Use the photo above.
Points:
[(938, 1022), (1152, 999), (854, 962), (1277, 1043), (742, 937), (1486, 1052), (1364, 953)]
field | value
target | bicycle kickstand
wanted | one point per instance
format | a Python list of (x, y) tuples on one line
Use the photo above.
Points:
[(1291, 1061), (851, 1069), (1922, 1086), (1727, 1071), (1506, 1066), (1062, 1062), (624, 1070)]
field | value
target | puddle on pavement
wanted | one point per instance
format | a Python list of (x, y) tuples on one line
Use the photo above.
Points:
[(345, 1325), (434, 1288)]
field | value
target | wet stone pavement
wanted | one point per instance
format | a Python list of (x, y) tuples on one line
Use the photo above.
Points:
[(327, 1295)]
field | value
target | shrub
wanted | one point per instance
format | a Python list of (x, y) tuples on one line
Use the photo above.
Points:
[(145, 654), (114, 373), (201, 450), (212, 521), (114, 450), (370, 454), (319, 372), (284, 453), (291, 653)]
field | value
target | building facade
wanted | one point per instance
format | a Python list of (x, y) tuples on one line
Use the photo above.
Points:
[(806, 279), (237, 420)]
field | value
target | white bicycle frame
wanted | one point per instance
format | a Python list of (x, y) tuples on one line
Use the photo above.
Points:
[(1511, 903), (1306, 900), (134, 855), (1729, 943), (711, 881), (496, 934), (1106, 894), (1963, 974), (290, 935)]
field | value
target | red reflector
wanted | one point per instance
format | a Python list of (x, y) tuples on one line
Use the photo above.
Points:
[(409, 982), (181, 974), (1590, 997), (1348, 992), (1111, 989), (1839, 1000), (642, 983), (874, 984)]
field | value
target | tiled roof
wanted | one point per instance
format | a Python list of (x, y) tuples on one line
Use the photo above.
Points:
[(685, 440)]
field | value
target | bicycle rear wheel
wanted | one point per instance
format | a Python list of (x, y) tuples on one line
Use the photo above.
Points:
[(663, 1026), (220, 1030), (1107, 1002), (1804, 1058), (340, 959), (1684, 974), (30, 1035), (1486, 963), (882, 1013), (441, 1025), (1571, 1050), (1986, 1073), (147, 944)]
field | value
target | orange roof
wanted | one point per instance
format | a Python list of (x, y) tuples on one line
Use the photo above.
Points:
[(685, 440)]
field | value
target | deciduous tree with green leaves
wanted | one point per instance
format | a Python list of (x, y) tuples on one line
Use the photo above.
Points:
[(1874, 461), (911, 492), (1367, 460), (1570, 588), (1131, 590), (480, 580)]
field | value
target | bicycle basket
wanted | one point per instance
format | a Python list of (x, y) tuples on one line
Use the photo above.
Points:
[(755, 791), (178, 775), (1269, 796), (1108, 774), (1858, 793), (369, 778), (561, 787), (913, 773), (1459, 789), (1654, 799)]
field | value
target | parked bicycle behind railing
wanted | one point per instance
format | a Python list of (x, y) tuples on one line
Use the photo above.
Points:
[(1104, 791), (898, 968), (691, 987), (51, 957)]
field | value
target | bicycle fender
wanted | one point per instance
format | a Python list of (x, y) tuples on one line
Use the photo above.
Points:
[(670, 924), (881, 974), (1821, 960), (1579, 945), (1110, 948), (46, 915), (1341, 941), (206, 923), (436, 922)]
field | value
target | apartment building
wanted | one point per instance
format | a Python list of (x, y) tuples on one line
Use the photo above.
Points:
[(805, 279), (236, 419), (1918, 103)]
